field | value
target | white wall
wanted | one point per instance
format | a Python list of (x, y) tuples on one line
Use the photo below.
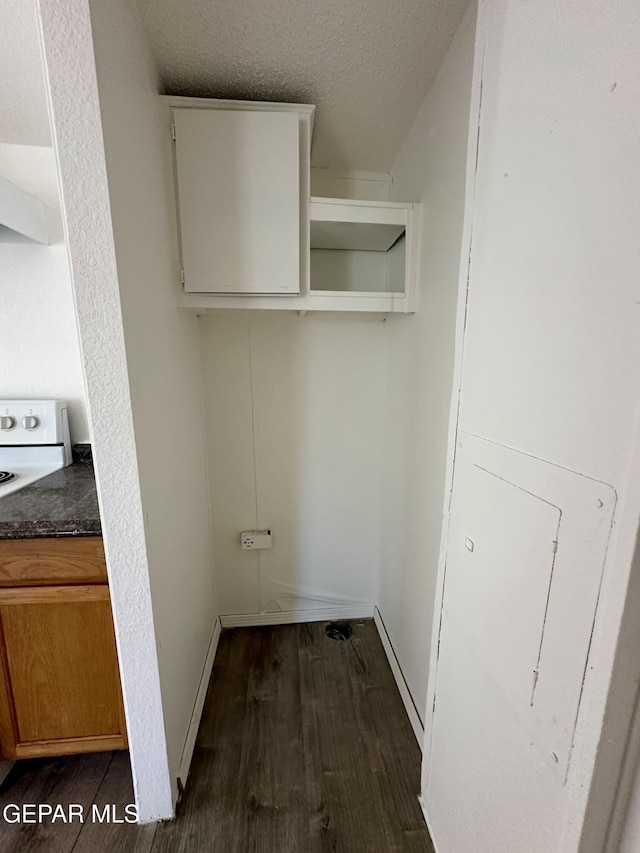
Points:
[(551, 368), (295, 407), (295, 412), (332, 183), (420, 350), (39, 350), (333, 429), (164, 364), (23, 103), (143, 374)]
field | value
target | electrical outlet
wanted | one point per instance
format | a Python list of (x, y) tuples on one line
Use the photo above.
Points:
[(255, 540)]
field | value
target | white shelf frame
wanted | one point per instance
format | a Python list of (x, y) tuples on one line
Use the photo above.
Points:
[(375, 213), (327, 209)]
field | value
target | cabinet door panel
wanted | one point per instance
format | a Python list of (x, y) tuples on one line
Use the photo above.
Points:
[(238, 178), (61, 670)]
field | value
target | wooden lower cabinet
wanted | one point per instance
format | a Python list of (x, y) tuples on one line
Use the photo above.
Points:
[(60, 687)]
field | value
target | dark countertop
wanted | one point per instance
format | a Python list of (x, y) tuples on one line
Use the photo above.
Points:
[(63, 504)]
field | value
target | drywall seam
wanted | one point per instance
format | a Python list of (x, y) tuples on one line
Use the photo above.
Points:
[(403, 687), (205, 450), (432, 173), (253, 449), (456, 391)]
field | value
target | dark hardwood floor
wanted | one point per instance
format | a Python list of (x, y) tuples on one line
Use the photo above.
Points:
[(304, 747)]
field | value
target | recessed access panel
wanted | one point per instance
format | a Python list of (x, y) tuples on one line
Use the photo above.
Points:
[(502, 556), (525, 556)]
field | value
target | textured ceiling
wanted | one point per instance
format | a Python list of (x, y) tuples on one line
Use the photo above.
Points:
[(23, 106), (366, 64)]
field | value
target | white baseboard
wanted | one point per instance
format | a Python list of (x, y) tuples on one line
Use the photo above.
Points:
[(288, 617), (412, 713), (428, 822), (194, 725)]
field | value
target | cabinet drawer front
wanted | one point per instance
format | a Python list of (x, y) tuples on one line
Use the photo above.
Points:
[(61, 669), (33, 562)]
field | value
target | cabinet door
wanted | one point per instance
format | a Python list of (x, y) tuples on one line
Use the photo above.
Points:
[(238, 180), (60, 672)]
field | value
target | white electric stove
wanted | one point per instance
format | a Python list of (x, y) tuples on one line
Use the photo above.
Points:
[(34, 442)]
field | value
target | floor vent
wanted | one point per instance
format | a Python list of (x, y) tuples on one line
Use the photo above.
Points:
[(338, 631)]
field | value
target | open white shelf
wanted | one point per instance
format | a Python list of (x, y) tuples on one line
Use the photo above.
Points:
[(362, 257), (359, 248)]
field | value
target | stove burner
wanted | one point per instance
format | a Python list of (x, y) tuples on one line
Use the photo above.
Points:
[(6, 476)]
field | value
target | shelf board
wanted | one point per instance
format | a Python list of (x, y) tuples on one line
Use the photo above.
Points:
[(324, 300), (354, 236)]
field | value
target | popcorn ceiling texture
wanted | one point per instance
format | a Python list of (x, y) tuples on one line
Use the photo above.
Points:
[(366, 64)]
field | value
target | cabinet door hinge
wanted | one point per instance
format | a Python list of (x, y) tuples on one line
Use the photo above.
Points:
[(182, 277), (173, 132)]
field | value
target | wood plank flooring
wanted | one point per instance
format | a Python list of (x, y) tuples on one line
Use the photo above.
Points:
[(304, 747)]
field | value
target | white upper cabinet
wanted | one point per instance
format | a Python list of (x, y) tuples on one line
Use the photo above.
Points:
[(239, 200), (251, 236)]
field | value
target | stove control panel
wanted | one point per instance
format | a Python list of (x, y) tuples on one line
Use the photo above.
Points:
[(39, 422)]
